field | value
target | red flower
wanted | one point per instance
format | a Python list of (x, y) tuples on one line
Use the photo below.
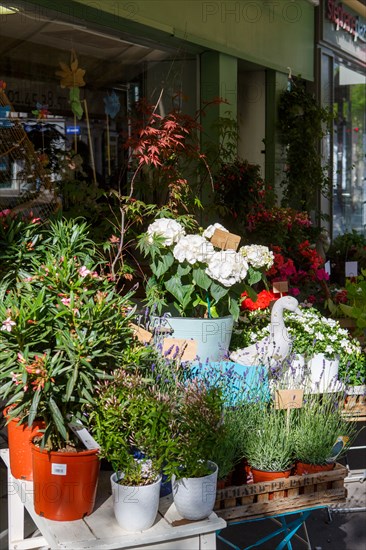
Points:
[(264, 298)]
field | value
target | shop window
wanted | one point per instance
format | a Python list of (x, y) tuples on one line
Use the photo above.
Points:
[(349, 166), (32, 45)]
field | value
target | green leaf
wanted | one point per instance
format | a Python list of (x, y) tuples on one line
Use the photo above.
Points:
[(201, 278), (176, 289), (182, 271), (162, 266), (34, 407), (254, 276), (218, 291), (57, 418), (234, 309), (71, 382)]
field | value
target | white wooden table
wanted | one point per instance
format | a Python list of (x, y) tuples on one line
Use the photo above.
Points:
[(100, 530)]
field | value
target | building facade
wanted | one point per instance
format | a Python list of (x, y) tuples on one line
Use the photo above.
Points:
[(181, 53)]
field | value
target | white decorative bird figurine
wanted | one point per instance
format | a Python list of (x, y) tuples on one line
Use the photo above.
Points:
[(274, 348)]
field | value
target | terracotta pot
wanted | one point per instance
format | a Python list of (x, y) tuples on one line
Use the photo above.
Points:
[(302, 468), (263, 475), (19, 439), (65, 483)]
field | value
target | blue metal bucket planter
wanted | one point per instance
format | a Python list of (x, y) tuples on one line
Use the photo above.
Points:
[(212, 335)]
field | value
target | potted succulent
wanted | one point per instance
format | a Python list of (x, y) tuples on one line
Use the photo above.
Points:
[(197, 285), (321, 433), (64, 326), (131, 420)]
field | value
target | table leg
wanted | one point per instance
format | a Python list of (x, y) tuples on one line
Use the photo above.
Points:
[(16, 509)]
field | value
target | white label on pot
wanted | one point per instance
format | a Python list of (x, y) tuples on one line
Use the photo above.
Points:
[(59, 469)]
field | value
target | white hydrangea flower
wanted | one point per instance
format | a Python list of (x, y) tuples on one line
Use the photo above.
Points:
[(170, 229), (193, 249), (211, 230), (257, 255), (227, 267)]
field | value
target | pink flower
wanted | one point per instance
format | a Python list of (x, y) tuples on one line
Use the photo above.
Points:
[(5, 213), (8, 324), (66, 301), (294, 291), (322, 275), (84, 271)]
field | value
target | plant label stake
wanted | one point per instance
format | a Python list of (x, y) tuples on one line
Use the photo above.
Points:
[(279, 287), (142, 335), (351, 269), (288, 399), (185, 350), (82, 433), (225, 240)]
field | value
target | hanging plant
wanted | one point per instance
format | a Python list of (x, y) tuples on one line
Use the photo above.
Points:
[(303, 123), (73, 78)]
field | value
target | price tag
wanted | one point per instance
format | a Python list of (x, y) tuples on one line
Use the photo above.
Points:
[(185, 350), (289, 399), (59, 469), (82, 433), (279, 287), (142, 335), (351, 269), (225, 240)]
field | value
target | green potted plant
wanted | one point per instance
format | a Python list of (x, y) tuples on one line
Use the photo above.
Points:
[(198, 431), (64, 326), (311, 333), (269, 448), (131, 420), (321, 433), (197, 285)]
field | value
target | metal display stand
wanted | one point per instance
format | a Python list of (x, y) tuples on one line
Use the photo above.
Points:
[(288, 528)]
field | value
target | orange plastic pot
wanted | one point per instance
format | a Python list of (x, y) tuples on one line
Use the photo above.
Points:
[(302, 468), (263, 475), (19, 439), (65, 483)]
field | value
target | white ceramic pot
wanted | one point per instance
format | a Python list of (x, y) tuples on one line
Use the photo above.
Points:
[(136, 507), (323, 373), (194, 497)]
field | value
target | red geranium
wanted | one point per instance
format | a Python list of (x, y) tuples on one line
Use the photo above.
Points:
[(264, 298)]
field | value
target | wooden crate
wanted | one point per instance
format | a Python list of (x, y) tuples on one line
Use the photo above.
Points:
[(355, 407), (282, 495)]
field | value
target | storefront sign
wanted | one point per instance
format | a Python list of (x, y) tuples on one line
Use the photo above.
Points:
[(345, 20)]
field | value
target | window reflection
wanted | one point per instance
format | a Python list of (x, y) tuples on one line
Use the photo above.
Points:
[(349, 180)]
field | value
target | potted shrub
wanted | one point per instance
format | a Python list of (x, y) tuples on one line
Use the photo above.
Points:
[(131, 420), (321, 433), (197, 284), (198, 431), (64, 326), (269, 448)]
